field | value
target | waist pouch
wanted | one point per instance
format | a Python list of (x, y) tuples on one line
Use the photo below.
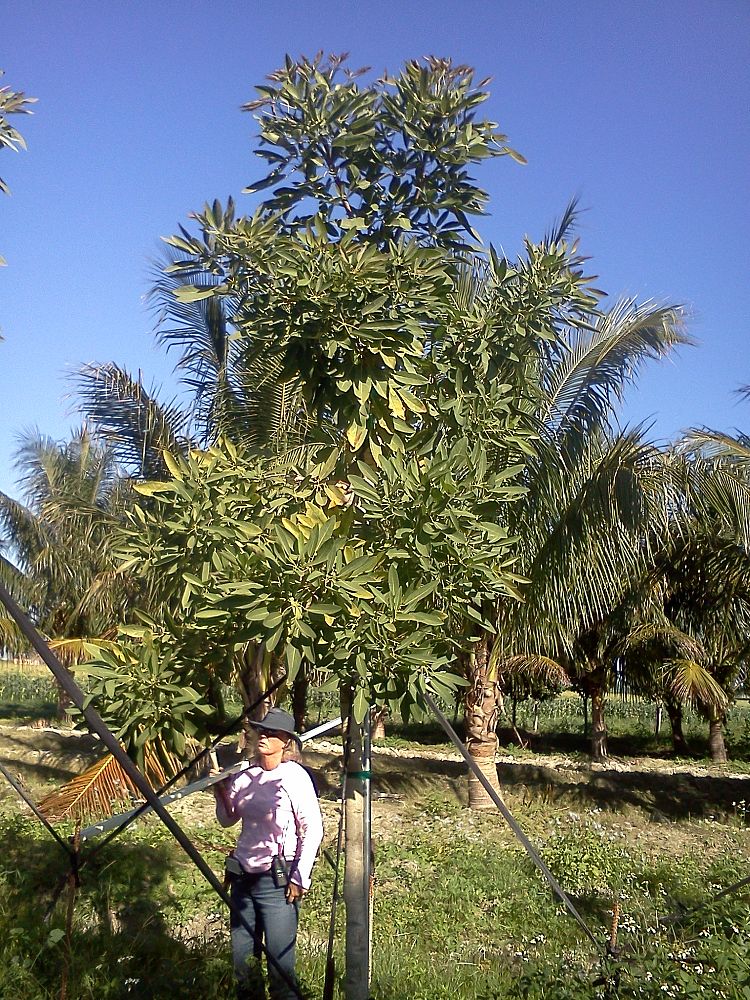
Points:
[(280, 871)]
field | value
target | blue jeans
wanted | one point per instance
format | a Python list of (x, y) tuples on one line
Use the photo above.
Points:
[(266, 910)]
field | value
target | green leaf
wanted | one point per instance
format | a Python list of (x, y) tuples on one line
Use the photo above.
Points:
[(323, 609)]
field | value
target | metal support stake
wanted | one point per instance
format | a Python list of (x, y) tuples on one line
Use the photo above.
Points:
[(510, 820), (367, 831)]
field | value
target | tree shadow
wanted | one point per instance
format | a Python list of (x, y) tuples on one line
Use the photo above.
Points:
[(125, 910), (668, 796), (41, 711), (47, 756), (639, 744), (663, 796)]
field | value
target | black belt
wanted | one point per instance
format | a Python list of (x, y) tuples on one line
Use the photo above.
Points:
[(249, 876)]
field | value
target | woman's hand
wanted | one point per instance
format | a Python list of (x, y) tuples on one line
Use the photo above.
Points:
[(294, 892), (219, 788)]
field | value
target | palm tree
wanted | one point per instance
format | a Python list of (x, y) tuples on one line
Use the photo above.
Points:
[(582, 526), (60, 537), (705, 569), (232, 388), (591, 494)]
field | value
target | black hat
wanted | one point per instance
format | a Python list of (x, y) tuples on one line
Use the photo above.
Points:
[(276, 720)]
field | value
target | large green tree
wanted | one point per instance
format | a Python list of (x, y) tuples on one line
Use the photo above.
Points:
[(410, 354)]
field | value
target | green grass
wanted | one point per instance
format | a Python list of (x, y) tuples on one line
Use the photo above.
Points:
[(459, 912), (459, 909)]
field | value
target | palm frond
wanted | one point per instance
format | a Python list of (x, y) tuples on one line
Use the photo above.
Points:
[(534, 669), (271, 412), (711, 444), (200, 330), (563, 228), (664, 632), (691, 683), (28, 535), (72, 651), (132, 421), (580, 528), (102, 788), (601, 362)]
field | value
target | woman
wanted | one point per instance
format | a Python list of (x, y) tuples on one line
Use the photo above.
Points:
[(269, 869)]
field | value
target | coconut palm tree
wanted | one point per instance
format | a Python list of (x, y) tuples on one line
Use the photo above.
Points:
[(592, 492), (232, 389), (60, 536), (705, 568), (585, 506)]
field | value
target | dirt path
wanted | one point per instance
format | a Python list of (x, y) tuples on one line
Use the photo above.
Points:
[(660, 792)]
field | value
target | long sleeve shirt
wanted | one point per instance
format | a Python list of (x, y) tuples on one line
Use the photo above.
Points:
[(280, 815)]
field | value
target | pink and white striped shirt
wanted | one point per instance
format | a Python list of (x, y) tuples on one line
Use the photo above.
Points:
[(278, 809)]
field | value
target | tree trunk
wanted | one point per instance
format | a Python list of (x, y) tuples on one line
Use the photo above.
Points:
[(679, 743), (300, 688), (379, 716), (535, 723), (599, 752), (716, 745), (250, 664), (481, 708), (357, 871)]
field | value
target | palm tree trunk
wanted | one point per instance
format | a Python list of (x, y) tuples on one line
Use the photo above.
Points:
[(379, 716), (481, 708), (679, 743), (716, 745)]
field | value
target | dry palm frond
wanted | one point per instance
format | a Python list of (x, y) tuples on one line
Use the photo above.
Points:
[(691, 683), (534, 669), (102, 788), (70, 652)]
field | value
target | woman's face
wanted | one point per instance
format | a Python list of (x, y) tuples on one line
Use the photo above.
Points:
[(271, 743)]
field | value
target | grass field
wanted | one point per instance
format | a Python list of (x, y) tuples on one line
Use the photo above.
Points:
[(27, 691), (460, 911)]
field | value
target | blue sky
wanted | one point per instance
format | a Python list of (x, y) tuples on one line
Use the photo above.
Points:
[(640, 109)]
